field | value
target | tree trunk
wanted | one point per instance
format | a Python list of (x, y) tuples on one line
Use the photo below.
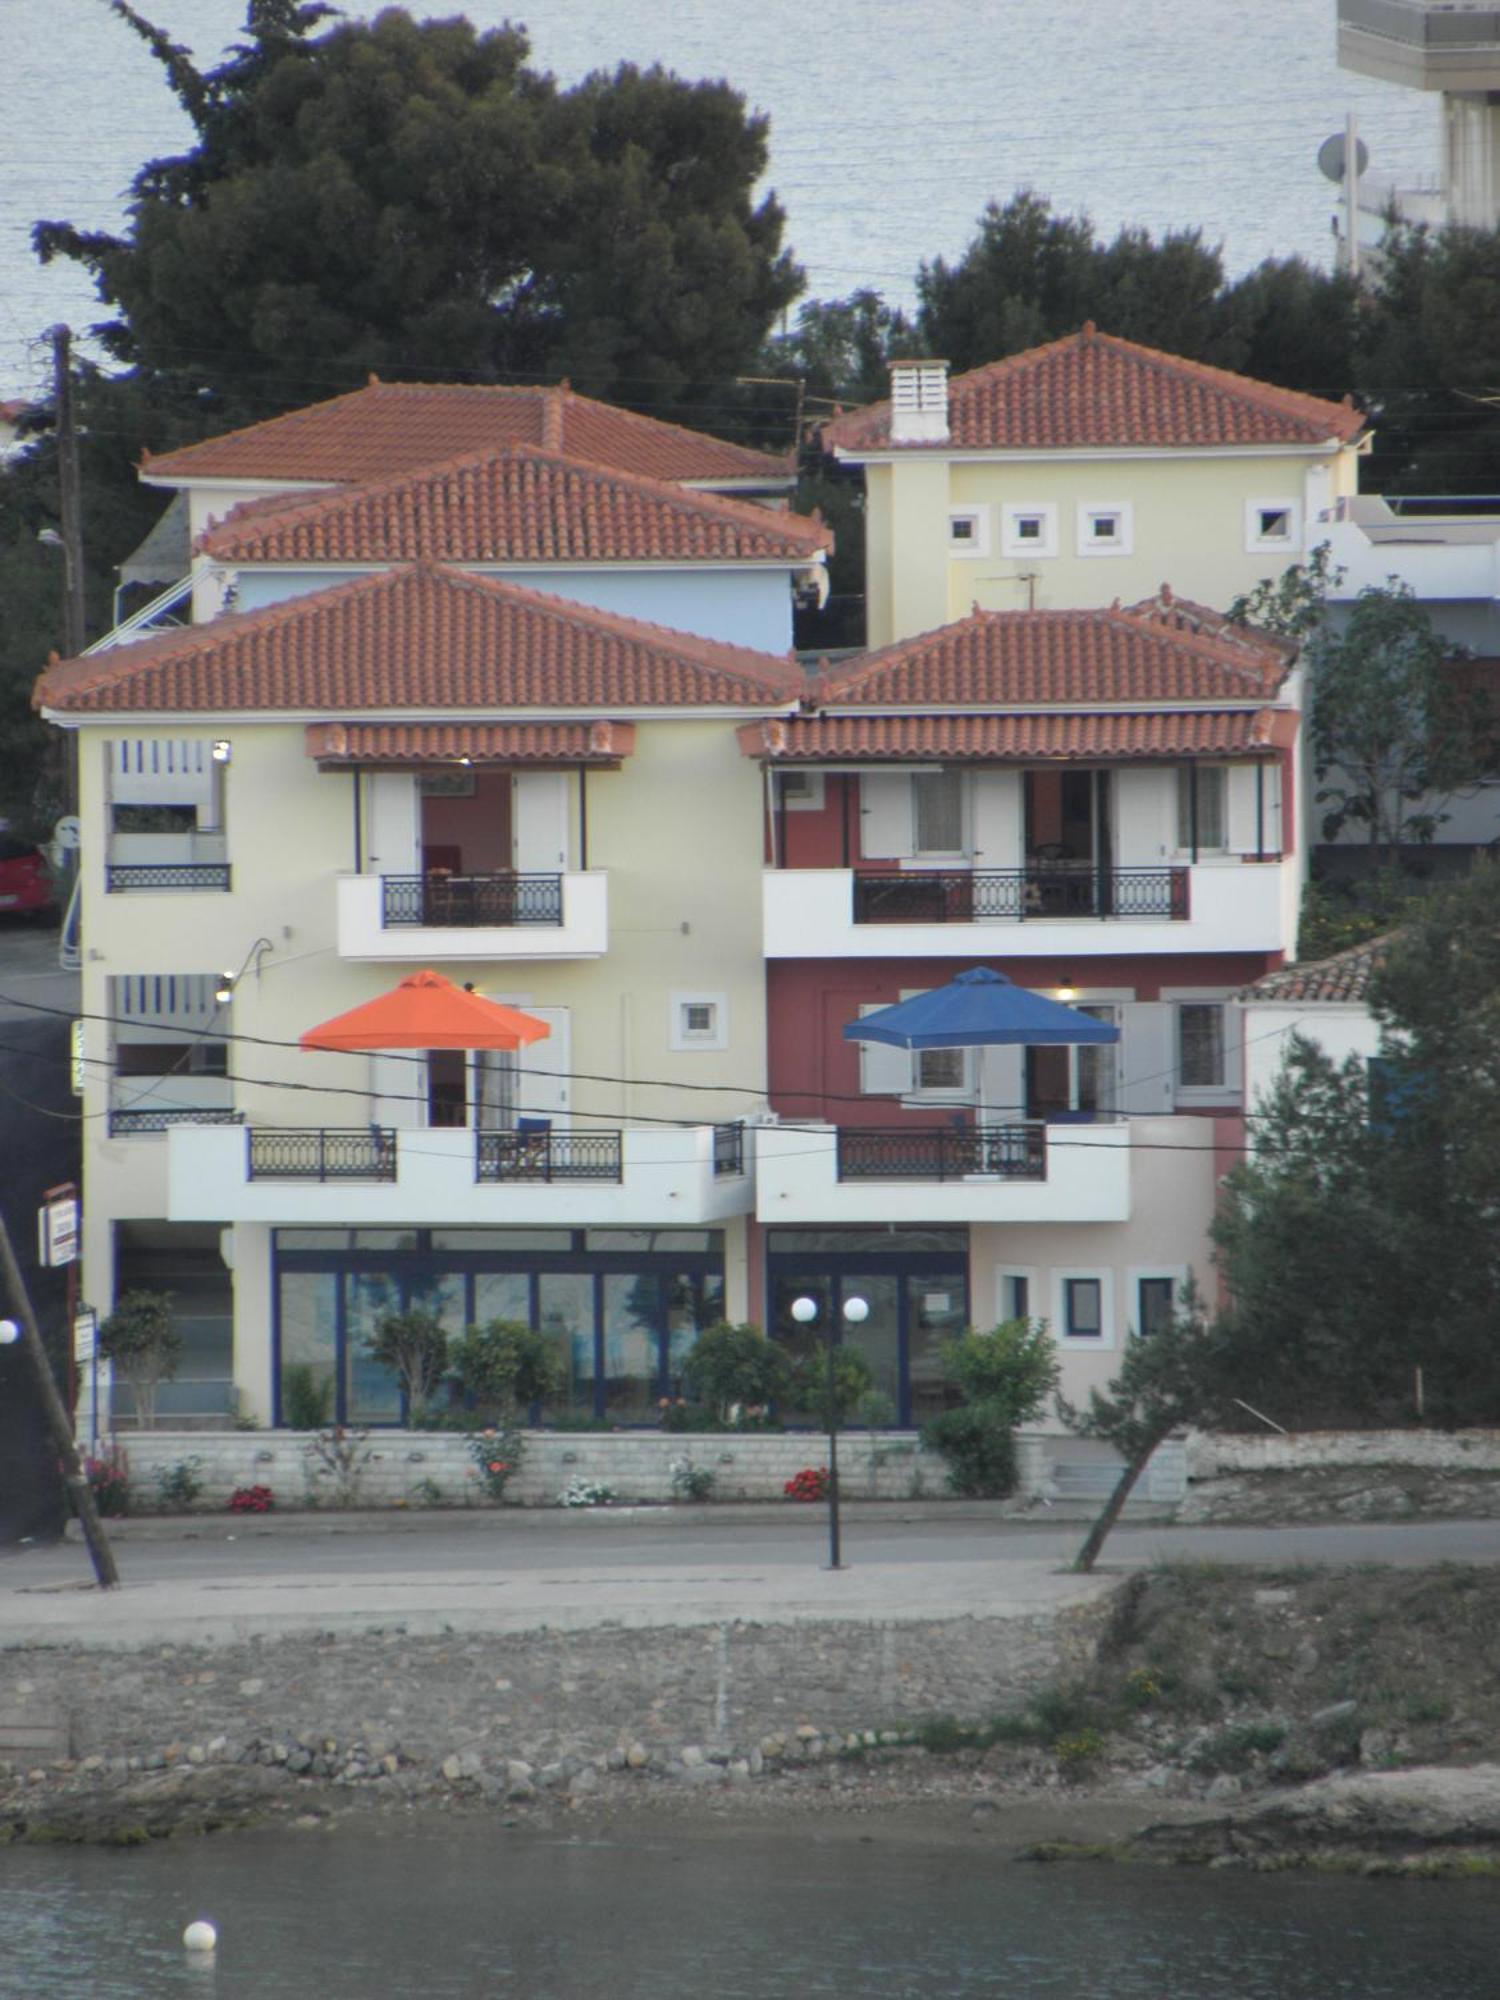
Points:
[(1114, 1506)]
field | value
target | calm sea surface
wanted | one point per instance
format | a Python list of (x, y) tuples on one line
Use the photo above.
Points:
[(466, 1910), (892, 121)]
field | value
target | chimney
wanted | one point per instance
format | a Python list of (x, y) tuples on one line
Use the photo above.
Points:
[(919, 402)]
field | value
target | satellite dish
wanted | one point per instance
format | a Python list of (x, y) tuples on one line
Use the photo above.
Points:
[(67, 833), (1331, 157)]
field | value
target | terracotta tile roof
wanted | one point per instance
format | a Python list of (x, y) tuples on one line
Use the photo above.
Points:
[(1181, 614), (418, 638), (397, 426), (397, 743), (1344, 977), (1095, 390), (1015, 738), (1028, 659), (513, 504)]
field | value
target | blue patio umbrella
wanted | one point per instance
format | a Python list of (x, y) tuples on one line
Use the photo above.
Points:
[(977, 1009)]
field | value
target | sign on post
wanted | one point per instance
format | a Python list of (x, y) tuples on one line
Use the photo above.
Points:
[(57, 1227)]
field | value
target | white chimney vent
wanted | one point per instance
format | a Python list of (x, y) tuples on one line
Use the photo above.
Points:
[(919, 402)]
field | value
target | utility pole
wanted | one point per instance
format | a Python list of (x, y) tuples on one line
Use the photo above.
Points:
[(1351, 190), (74, 1476), (70, 492)]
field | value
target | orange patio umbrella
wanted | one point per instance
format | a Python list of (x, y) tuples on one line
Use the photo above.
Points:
[(427, 1011)]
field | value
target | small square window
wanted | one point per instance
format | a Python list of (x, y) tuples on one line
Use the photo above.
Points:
[(969, 531), (1028, 528), (1272, 524), (941, 1069), (1104, 529), (802, 791), (1275, 524), (699, 1021), (1083, 1308)]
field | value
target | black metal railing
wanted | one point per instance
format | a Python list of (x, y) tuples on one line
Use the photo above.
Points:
[(548, 1156), (942, 1152), (364, 1153), (1056, 889), (143, 1118), (120, 875), (729, 1149), (467, 902)]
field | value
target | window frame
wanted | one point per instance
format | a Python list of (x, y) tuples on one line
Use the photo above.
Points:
[(1228, 1091), (1256, 537), (683, 1040), (1175, 1275), (1062, 1281), (1123, 542), (1007, 1275), (1220, 775), (978, 545), (1013, 513), (811, 801)]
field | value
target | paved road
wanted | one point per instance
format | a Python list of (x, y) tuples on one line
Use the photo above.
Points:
[(498, 1573)]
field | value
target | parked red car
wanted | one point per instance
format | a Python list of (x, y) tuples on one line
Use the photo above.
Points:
[(25, 881)]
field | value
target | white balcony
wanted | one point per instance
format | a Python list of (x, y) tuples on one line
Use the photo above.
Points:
[(369, 1176), (1065, 1173), (1228, 905), (413, 918)]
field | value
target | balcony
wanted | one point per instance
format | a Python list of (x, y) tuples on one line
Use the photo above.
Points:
[(126, 1120), (1038, 912), (171, 863), (1014, 895), (506, 916), (1021, 1173), (374, 1176)]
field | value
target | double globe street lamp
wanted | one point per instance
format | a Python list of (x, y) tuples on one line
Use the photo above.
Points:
[(856, 1311)]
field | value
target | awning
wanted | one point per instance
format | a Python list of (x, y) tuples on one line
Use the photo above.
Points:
[(1088, 736), (979, 1009), (395, 745), (426, 1011)]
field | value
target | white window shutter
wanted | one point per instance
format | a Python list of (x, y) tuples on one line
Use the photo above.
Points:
[(885, 823), (1148, 1057), (398, 1088), (392, 823), (544, 1085), (540, 819), (884, 1071), (1240, 832)]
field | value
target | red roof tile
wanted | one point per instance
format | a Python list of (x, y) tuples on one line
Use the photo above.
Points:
[(385, 743), (513, 504), (397, 427), (1027, 659), (1094, 390), (421, 638), (947, 739), (1344, 977)]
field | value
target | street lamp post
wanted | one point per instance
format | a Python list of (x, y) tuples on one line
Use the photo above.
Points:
[(856, 1312)]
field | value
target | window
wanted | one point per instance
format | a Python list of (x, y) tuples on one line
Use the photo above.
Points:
[(941, 1069), (1104, 530), (969, 532), (1015, 1294), (1272, 524), (937, 799), (1155, 1303), (1028, 528), (699, 1021), (1200, 1045), (1083, 1308), (802, 791), (1212, 813)]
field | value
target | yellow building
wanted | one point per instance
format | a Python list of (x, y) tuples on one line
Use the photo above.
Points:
[(1083, 473)]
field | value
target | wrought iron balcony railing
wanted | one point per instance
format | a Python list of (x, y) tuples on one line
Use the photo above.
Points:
[(943, 1152), (729, 1149), (365, 1153), (548, 1156), (1049, 889), (470, 902), (123, 875), (125, 1119)]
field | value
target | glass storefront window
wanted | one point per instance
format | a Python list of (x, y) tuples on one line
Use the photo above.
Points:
[(372, 1394), (565, 1309), (502, 1295), (643, 1242), (691, 1305), (632, 1354), (310, 1326), (935, 1312), (502, 1239)]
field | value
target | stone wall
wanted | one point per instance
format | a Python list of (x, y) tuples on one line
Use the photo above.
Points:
[(434, 1468), (1220, 1455)]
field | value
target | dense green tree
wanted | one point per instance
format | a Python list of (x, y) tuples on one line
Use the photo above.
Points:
[(1287, 322), (1394, 731), (839, 350), (1357, 1239), (1429, 362), (411, 197)]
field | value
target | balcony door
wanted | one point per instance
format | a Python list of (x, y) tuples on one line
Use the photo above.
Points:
[(1069, 843), (465, 821), (1074, 1085)]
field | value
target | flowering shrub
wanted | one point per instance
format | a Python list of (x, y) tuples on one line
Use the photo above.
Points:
[(811, 1483), (496, 1456), (110, 1481), (689, 1481), (251, 1500), (585, 1493)]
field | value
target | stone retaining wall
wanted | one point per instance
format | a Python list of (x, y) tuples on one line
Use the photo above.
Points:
[(1219, 1455), (434, 1468)]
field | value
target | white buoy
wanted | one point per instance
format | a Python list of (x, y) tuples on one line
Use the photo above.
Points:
[(200, 1937)]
